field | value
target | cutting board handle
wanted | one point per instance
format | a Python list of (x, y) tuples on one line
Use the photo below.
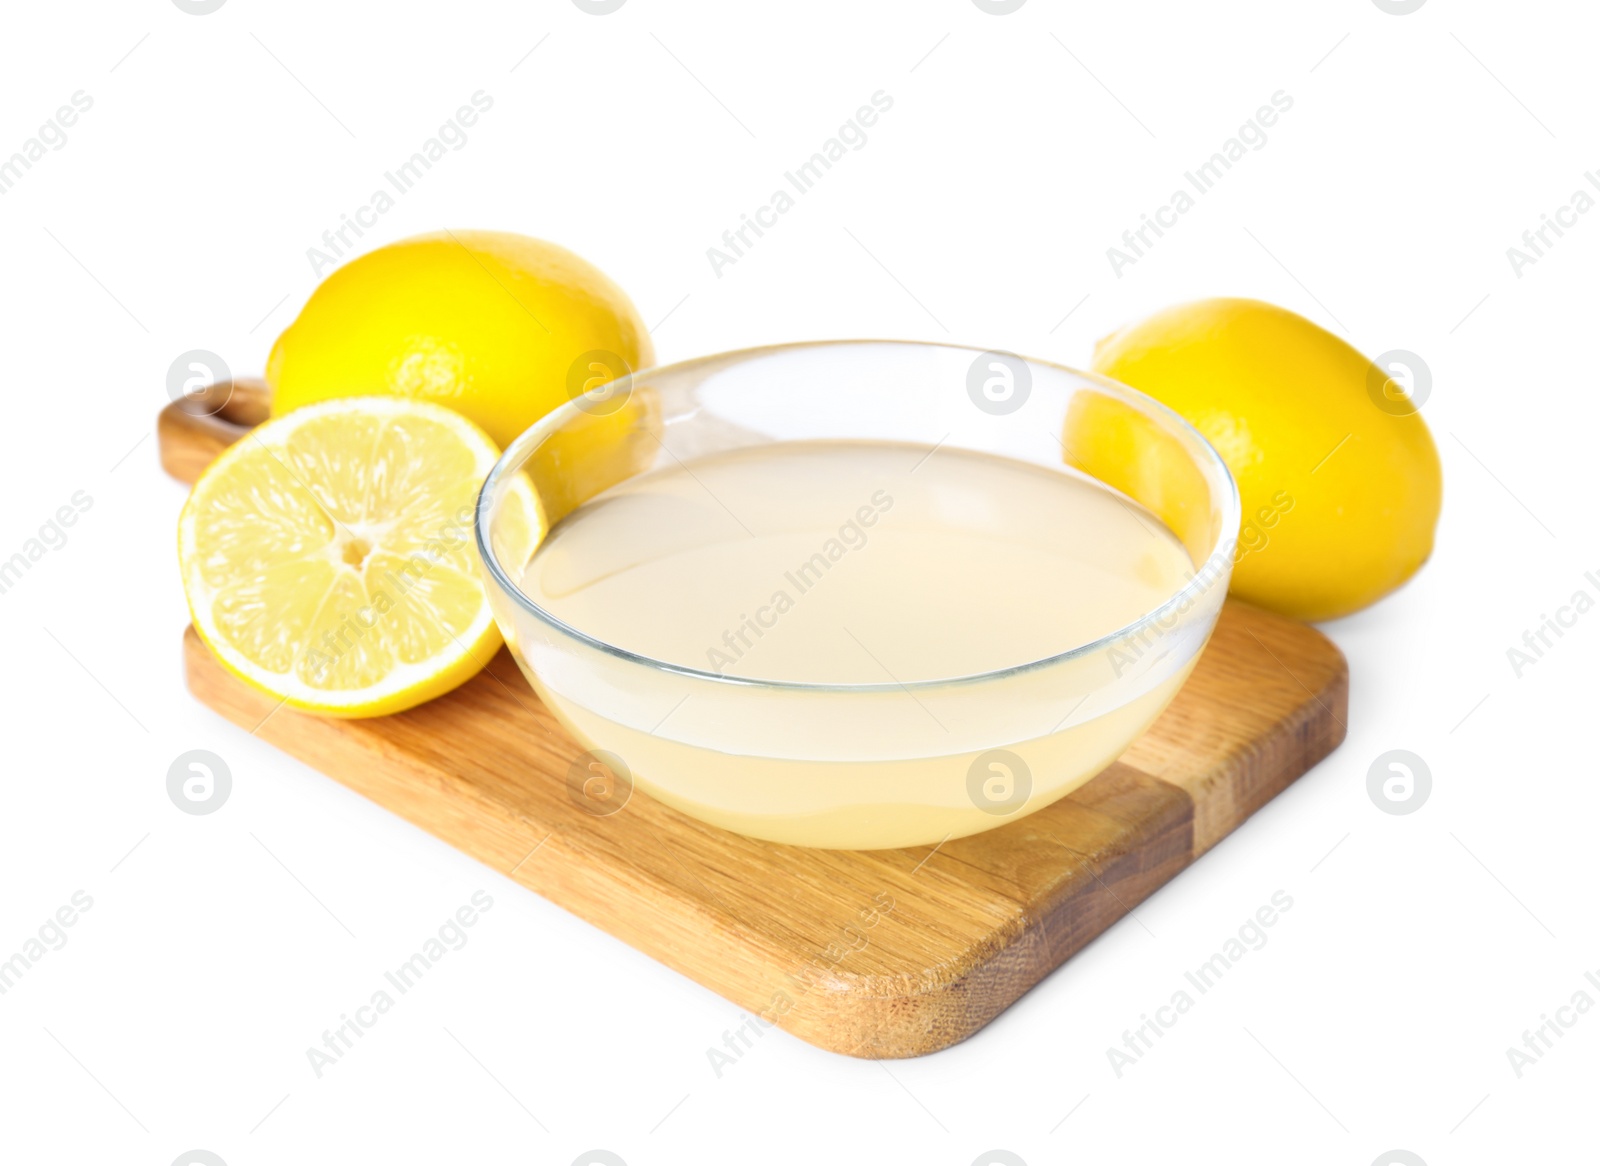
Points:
[(193, 431)]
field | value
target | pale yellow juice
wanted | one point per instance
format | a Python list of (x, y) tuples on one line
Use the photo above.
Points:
[(860, 563)]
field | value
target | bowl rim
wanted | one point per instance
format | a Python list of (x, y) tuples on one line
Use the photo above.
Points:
[(517, 453)]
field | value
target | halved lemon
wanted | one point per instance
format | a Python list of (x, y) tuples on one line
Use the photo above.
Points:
[(329, 556)]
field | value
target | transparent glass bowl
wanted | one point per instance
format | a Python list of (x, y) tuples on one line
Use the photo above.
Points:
[(858, 766)]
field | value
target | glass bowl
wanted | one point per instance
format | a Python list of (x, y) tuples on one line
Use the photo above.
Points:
[(856, 765)]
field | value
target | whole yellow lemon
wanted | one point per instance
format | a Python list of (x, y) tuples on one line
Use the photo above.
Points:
[(500, 327), (1338, 476)]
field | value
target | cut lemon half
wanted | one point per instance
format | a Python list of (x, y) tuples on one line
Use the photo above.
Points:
[(329, 555)]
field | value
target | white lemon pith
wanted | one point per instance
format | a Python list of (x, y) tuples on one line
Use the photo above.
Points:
[(329, 558)]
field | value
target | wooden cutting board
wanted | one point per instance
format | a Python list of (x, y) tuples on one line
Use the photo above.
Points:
[(892, 953)]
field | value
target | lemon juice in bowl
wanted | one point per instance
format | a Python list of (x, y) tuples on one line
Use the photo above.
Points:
[(877, 615)]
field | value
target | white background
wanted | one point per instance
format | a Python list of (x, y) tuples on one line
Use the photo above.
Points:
[(177, 216)]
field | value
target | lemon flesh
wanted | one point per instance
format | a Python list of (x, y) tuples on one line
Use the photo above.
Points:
[(500, 327), (1340, 496), (328, 557)]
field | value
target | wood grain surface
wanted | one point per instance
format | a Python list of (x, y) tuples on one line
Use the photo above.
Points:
[(193, 431), (871, 953)]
